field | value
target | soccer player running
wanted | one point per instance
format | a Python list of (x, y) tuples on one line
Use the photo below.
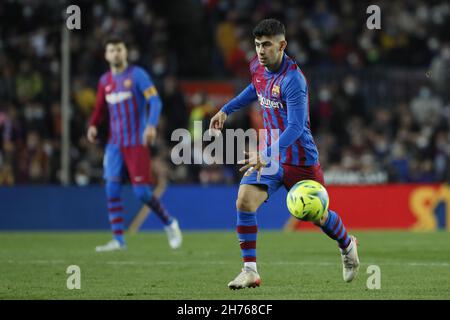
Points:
[(282, 91), (123, 92)]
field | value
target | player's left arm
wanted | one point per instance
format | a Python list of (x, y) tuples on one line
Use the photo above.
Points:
[(148, 89)]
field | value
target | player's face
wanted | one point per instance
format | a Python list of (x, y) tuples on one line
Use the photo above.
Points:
[(116, 54), (269, 49)]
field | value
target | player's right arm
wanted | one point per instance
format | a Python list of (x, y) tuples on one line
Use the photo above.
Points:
[(247, 96), (98, 115)]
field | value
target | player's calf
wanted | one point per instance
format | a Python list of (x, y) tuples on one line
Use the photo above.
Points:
[(145, 194), (115, 213), (333, 226), (250, 197)]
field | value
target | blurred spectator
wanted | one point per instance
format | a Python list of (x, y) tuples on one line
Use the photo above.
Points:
[(240, 57), (426, 108), (28, 82), (201, 111), (7, 82), (442, 159), (175, 108), (350, 100), (399, 164), (84, 97), (82, 174), (226, 36), (440, 71)]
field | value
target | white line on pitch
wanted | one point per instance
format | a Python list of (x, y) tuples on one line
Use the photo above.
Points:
[(213, 262)]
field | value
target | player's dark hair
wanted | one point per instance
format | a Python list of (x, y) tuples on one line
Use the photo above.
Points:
[(114, 40), (269, 27)]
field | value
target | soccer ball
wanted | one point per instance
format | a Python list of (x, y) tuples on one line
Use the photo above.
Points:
[(307, 200)]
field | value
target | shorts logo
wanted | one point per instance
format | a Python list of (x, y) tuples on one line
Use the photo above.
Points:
[(276, 91), (127, 83)]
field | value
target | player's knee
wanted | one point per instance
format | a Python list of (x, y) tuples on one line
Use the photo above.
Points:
[(250, 198), (143, 193), (113, 188), (246, 204)]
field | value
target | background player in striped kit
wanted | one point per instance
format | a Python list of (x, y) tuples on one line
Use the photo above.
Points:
[(123, 93), (282, 91)]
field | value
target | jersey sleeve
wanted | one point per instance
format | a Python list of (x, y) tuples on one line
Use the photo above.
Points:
[(148, 89), (247, 96), (144, 83), (296, 97), (100, 109)]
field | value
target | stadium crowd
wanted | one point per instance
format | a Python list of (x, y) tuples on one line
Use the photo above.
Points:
[(368, 126)]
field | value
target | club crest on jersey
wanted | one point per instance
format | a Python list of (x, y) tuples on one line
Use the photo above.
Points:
[(127, 83), (276, 91)]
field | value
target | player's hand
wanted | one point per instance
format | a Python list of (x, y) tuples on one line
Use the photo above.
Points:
[(217, 122), (92, 134), (149, 137), (252, 163)]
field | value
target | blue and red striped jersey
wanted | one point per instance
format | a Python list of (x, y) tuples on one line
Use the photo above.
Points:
[(284, 101), (124, 97)]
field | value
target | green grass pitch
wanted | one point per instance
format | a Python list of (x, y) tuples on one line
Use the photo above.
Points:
[(299, 265)]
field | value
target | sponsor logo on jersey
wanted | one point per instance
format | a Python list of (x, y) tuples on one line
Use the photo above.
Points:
[(117, 97), (267, 103)]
